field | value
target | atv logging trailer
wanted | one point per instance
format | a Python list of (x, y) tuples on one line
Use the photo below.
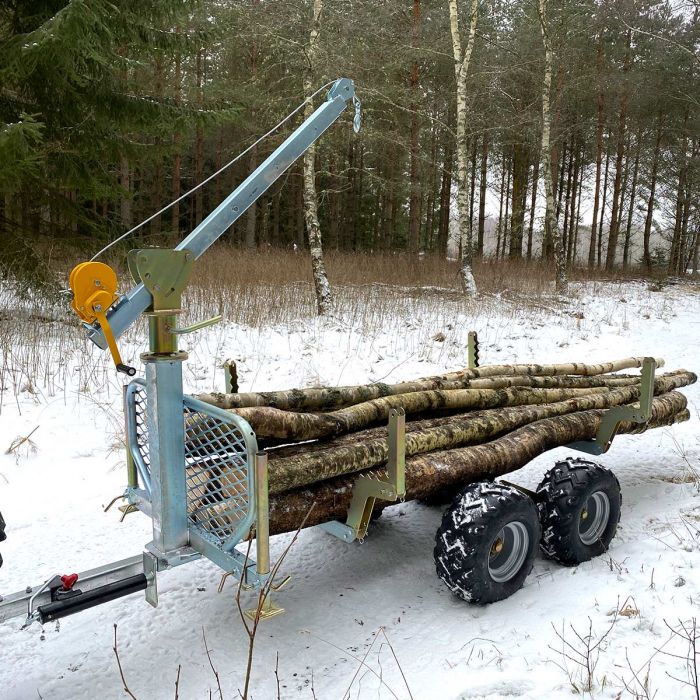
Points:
[(196, 467)]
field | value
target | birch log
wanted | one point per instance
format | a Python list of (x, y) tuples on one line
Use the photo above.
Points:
[(290, 425), (381, 432), (295, 426), (288, 472), (487, 377), (428, 473)]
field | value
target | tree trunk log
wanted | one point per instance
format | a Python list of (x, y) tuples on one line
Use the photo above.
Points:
[(313, 227), (551, 226), (289, 425), (462, 57), (428, 473), (329, 398), (436, 434)]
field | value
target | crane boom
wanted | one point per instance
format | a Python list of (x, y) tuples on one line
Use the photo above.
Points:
[(128, 309)]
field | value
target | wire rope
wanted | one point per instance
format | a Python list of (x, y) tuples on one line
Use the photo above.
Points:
[(212, 176)]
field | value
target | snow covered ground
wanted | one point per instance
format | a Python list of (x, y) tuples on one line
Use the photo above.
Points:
[(364, 620)]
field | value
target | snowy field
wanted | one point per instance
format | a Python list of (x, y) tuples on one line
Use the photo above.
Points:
[(364, 620)]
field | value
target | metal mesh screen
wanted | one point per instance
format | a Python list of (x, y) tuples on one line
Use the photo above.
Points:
[(219, 454), (141, 427), (218, 474), (137, 431)]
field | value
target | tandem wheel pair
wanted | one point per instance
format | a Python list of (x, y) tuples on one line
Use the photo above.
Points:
[(487, 541)]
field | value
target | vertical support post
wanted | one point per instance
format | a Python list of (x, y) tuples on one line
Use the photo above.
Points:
[(231, 377), (262, 515), (396, 463), (368, 489), (165, 274), (166, 429), (647, 388), (612, 417), (472, 350), (266, 608), (131, 473)]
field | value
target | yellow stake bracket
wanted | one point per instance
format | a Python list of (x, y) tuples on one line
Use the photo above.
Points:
[(368, 489), (94, 287)]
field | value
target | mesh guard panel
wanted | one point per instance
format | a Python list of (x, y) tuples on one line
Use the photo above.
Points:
[(220, 450), (137, 431), (218, 463)]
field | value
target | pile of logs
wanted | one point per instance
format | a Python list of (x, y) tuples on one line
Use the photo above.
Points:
[(464, 426)]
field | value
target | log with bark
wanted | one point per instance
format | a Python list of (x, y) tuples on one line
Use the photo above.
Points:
[(324, 398), (490, 376), (269, 422), (461, 426), (428, 473), (366, 450)]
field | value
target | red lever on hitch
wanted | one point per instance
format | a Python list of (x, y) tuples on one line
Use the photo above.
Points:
[(68, 581)]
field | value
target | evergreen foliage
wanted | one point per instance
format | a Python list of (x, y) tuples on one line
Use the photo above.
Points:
[(110, 110)]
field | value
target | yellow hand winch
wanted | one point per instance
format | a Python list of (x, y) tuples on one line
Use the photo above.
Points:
[(94, 287)]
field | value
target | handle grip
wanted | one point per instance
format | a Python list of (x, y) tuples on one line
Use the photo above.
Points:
[(196, 326)]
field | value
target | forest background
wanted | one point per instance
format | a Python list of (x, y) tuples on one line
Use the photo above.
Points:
[(110, 110)]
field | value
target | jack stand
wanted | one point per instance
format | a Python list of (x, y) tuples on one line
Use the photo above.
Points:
[(265, 610)]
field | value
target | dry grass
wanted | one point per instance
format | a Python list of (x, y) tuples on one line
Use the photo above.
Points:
[(428, 272), (276, 266), (42, 349), (273, 286), (249, 286)]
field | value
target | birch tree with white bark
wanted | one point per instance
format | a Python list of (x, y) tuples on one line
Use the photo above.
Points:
[(313, 227), (462, 56), (550, 216)]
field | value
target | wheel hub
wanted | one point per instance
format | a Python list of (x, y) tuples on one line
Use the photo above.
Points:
[(594, 518), (508, 552)]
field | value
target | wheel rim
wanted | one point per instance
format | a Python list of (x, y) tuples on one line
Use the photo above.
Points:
[(594, 518), (508, 552)]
